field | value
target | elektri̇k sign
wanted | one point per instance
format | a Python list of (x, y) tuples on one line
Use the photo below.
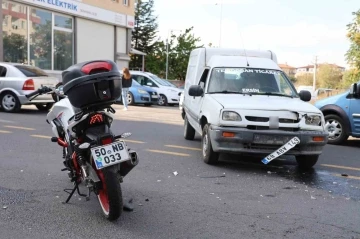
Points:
[(62, 4), (83, 10)]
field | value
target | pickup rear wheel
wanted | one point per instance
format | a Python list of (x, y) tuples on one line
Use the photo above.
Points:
[(335, 126), (306, 161), (208, 154), (189, 131)]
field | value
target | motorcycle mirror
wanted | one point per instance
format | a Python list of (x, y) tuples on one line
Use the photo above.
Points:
[(125, 135)]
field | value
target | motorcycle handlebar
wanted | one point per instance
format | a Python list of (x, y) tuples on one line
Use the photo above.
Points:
[(40, 91)]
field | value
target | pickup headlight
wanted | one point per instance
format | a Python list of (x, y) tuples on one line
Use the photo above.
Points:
[(231, 116), (141, 91), (313, 120)]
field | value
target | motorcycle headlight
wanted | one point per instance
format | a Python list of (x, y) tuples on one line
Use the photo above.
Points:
[(142, 91), (231, 116), (313, 120)]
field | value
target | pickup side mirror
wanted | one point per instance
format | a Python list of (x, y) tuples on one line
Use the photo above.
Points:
[(196, 90), (305, 95)]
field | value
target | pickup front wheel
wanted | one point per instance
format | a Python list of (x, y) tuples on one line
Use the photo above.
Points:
[(208, 155), (189, 131), (307, 161)]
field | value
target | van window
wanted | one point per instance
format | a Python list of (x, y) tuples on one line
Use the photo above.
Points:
[(250, 80), (203, 78), (3, 71)]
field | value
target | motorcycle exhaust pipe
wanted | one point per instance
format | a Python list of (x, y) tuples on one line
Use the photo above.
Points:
[(127, 166)]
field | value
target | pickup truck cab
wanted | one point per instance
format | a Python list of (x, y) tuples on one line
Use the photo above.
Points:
[(241, 102), (342, 114)]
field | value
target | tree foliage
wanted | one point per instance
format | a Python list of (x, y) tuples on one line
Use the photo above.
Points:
[(15, 48), (329, 76), (305, 79), (145, 31), (353, 54)]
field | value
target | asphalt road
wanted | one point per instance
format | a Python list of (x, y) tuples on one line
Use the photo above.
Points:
[(239, 198)]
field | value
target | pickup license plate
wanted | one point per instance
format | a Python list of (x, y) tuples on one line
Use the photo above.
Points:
[(110, 154), (283, 149), (271, 139)]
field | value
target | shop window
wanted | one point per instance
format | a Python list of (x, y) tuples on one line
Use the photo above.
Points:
[(14, 36), (63, 42), (47, 35)]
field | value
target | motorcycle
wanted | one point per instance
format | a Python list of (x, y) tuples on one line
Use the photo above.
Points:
[(81, 120)]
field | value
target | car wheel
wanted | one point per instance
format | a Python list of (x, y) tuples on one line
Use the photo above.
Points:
[(335, 126), (189, 131), (306, 161), (130, 98), (44, 107), (162, 100), (208, 155), (10, 102)]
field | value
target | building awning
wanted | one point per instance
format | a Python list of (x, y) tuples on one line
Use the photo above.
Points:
[(137, 52)]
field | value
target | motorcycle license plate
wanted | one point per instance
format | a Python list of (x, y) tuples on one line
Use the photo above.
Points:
[(110, 154)]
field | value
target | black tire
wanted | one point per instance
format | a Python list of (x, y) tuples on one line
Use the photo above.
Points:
[(189, 131), (208, 155), (45, 107), (7, 107), (306, 161), (162, 100), (147, 104), (114, 195), (334, 124), (130, 99)]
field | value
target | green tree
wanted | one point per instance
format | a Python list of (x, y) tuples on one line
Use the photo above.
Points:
[(305, 79), (156, 60), (180, 53), (15, 48), (350, 76), (353, 54), (328, 76), (144, 32)]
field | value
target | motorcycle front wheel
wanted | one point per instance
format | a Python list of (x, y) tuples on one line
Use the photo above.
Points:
[(110, 196)]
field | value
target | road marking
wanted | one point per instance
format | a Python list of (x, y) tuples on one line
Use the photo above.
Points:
[(40, 136), (7, 121), (349, 176), (167, 152), (338, 166), (18, 127), (182, 147), (5, 132), (133, 141)]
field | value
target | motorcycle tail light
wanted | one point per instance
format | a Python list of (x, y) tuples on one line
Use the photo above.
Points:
[(107, 140), (96, 118)]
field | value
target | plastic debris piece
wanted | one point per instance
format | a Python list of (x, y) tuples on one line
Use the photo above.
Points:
[(261, 196), (159, 180), (21, 170), (212, 193), (4, 207), (344, 175), (269, 172), (175, 173), (312, 197), (334, 182), (147, 199)]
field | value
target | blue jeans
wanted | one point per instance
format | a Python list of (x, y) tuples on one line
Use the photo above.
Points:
[(124, 96)]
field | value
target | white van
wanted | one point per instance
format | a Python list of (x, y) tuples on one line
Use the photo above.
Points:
[(242, 102), (168, 93)]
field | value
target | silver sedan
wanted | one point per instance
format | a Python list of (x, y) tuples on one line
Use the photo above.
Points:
[(17, 80)]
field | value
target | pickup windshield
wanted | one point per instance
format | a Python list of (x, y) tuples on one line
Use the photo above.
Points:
[(252, 81)]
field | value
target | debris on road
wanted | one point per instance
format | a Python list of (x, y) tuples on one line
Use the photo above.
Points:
[(175, 173), (128, 205), (4, 207), (312, 197), (344, 175), (220, 176), (159, 180)]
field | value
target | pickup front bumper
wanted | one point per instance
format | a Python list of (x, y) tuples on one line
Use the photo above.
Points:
[(264, 142)]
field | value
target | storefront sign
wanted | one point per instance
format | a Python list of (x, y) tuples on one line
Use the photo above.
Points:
[(80, 9)]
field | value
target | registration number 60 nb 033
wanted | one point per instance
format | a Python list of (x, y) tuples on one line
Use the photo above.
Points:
[(107, 155)]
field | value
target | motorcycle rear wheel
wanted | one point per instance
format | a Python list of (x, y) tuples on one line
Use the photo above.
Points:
[(110, 197)]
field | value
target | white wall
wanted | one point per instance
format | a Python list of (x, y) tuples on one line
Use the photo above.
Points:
[(95, 41), (121, 39)]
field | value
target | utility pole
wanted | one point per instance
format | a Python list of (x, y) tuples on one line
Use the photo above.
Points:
[(167, 51), (314, 75)]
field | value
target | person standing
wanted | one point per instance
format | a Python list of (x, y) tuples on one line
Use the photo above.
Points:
[(126, 84)]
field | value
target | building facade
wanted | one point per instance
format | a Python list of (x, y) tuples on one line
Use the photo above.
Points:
[(289, 70), (309, 69), (54, 34)]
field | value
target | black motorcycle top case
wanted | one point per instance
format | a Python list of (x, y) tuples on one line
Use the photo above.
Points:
[(90, 84)]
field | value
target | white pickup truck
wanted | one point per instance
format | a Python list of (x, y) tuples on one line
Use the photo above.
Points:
[(241, 102)]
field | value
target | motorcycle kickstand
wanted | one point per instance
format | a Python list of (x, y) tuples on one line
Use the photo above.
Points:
[(76, 187)]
